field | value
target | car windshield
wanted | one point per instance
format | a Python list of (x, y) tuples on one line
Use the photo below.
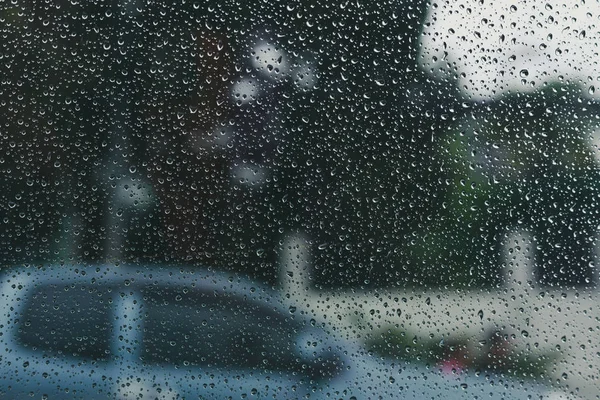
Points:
[(295, 197)]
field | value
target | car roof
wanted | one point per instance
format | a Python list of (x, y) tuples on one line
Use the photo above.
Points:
[(15, 280), (118, 273)]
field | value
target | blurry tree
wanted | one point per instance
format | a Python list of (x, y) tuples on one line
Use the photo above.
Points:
[(67, 72), (349, 159), (359, 161), (521, 163), (126, 135)]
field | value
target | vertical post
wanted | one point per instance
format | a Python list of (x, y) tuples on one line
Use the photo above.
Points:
[(519, 255), (294, 270), (127, 329)]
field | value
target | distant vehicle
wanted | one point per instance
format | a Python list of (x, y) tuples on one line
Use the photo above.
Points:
[(125, 332)]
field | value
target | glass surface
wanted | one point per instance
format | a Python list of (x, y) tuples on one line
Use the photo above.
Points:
[(281, 199)]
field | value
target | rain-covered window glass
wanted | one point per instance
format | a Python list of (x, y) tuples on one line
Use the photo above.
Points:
[(290, 199)]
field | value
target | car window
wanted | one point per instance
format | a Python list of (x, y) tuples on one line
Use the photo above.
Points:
[(201, 329), (72, 322)]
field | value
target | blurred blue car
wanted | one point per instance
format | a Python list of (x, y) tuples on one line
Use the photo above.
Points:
[(124, 332)]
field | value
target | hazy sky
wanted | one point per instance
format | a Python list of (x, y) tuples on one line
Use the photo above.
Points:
[(491, 47)]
